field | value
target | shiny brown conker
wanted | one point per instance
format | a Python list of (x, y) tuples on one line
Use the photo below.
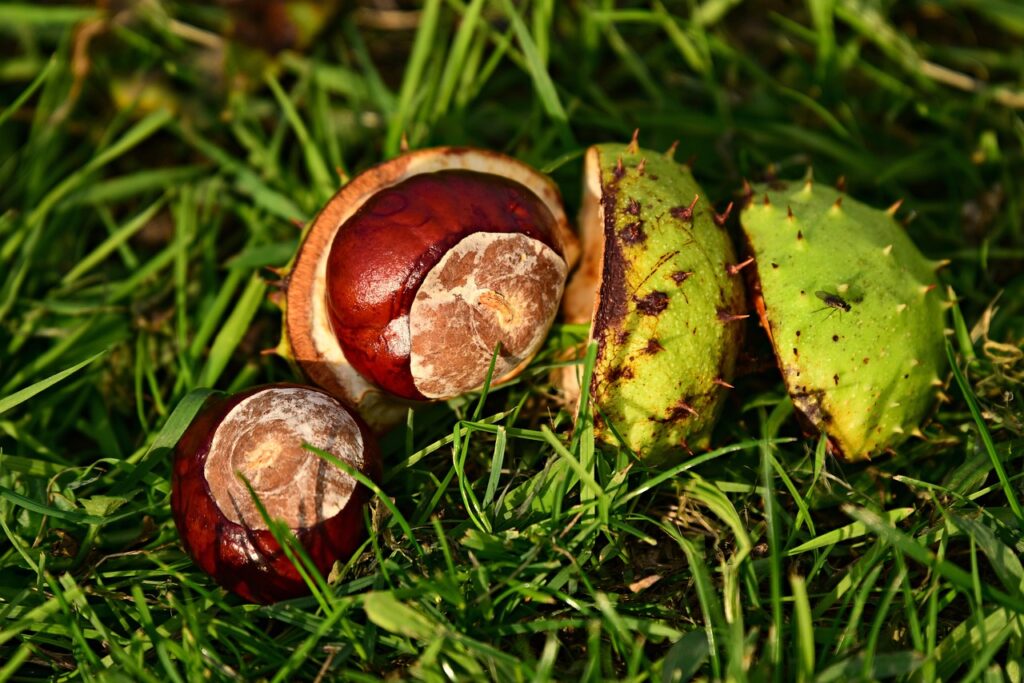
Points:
[(259, 434), (431, 274)]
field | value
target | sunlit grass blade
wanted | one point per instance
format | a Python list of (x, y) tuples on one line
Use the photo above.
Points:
[(411, 81), (20, 13), (97, 255), (293, 549), (17, 398), (314, 159), (234, 329), (538, 71), (372, 485)]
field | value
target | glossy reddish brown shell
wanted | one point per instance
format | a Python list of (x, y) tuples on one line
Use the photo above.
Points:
[(310, 336), (246, 560), (385, 250)]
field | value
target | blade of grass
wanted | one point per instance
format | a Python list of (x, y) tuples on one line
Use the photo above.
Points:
[(497, 462), (315, 163), (234, 329), (294, 550), (105, 248), (17, 398), (917, 552), (454, 65), (848, 532), (775, 635), (586, 478), (538, 72), (986, 437), (21, 99), (804, 632), (412, 80), (22, 14), (711, 608), (460, 451), (372, 485), (146, 619), (11, 666)]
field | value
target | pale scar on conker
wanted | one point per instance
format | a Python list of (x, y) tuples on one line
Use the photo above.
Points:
[(262, 440), (491, 292)]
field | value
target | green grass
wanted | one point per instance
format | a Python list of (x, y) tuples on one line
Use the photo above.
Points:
[(151, 168)]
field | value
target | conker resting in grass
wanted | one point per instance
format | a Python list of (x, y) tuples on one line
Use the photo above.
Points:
[(259, 435), (417, 270)]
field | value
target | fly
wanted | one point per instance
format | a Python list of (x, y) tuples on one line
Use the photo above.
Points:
[(834, 301)]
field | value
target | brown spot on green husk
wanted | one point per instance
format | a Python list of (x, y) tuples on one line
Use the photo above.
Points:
[(653, 346), (620, 372), (680, 410), (652, 304), (681, 276), (633, 233)]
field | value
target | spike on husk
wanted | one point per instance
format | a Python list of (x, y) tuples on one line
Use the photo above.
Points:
[(808, 186), (735, 268), (748, 193), (277, 297), (726, 317), (634, 144), (721, 218)]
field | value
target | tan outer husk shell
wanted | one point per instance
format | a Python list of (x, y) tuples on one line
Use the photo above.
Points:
[(308, 338)]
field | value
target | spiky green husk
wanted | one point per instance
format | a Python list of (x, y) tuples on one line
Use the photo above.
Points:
[(666, 327), (866, 376)]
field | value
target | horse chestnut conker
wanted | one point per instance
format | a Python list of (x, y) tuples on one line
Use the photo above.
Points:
[(418, 269), (259, 435)]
